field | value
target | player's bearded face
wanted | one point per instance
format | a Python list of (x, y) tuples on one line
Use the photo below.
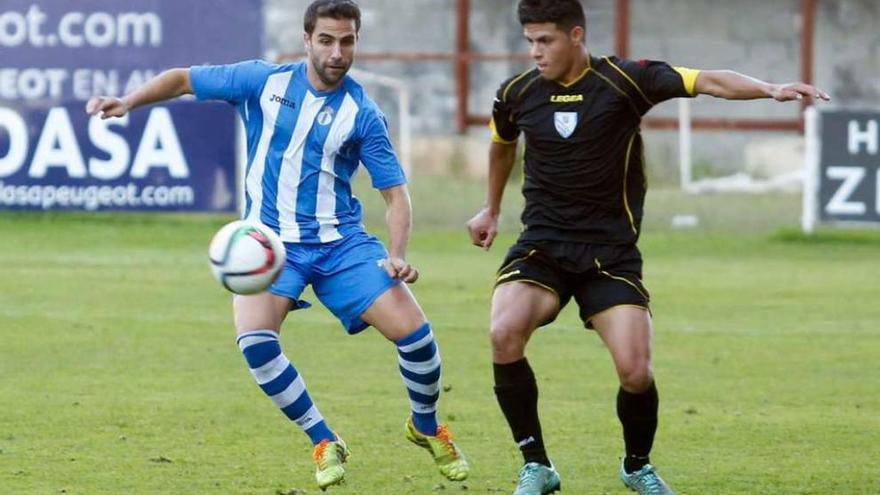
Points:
[(331, 48), (553, 49)]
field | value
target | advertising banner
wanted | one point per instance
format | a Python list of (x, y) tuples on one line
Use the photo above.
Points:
[(843, 167), (56, 54)]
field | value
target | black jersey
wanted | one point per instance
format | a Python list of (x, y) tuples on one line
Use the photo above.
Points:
[(584, 177)]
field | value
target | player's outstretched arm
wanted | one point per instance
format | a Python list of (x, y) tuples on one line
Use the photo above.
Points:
[(399, 220), (483, 227), (166, 86), (732, 85)]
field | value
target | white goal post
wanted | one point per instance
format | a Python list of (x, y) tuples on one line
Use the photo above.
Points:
[(738, 182), (404, 123)]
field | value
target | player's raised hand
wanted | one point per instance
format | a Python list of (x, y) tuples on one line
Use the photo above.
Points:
[(483, 228), (797, 91), (106, 106), (399, 269)]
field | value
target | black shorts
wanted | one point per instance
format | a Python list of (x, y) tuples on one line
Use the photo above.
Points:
[(598, 276)]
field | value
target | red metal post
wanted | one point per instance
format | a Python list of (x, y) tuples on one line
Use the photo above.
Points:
[(808, 19), (462, 75), (621, 30)]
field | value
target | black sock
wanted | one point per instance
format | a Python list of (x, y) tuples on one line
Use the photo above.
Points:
[(638, 415), (517, 394)]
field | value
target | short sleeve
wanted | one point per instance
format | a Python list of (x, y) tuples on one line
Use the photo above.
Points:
[(233, 83), (689, 76), (658, 81), (377, 153), (504, 129)]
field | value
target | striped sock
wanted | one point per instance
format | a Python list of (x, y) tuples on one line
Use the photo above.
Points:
[(419, 361), (280, 381)]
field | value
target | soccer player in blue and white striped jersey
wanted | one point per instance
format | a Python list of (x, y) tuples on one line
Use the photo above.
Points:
[(308, 126)]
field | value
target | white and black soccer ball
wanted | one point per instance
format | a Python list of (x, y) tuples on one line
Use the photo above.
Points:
[(246, 257)]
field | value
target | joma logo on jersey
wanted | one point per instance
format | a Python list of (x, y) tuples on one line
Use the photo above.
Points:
[(283, 101), (566, 98)]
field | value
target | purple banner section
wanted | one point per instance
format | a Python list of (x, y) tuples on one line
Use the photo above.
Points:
[(59, 49), (175, 157), (56, 54)]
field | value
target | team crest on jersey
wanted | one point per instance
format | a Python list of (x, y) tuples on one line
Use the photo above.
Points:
[(565, 123), (325, 116)]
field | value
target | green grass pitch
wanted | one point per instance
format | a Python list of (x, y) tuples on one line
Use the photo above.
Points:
[(119, 371)]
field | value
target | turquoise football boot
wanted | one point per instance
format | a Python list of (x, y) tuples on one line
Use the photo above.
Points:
[(537, 479), (645, 481)]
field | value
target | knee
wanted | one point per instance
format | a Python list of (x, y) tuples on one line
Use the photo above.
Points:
[(636, 377), (412, 322), (401, 328), (245, 325), (260, 312), (242, 325), (507, 339)]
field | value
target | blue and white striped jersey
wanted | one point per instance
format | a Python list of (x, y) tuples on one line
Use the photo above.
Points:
[(304, 146)]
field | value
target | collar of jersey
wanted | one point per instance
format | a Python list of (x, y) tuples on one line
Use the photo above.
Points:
[(304, 72), (581, 76)]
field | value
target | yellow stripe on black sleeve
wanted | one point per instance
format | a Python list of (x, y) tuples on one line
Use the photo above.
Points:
[(511, 83), (626, 76), (689, 76), (496, 138)]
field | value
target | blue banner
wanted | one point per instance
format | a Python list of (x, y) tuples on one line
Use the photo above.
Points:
[(56, 54), (177, 157)]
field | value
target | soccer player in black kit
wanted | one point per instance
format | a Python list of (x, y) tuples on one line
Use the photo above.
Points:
[(584, 186)]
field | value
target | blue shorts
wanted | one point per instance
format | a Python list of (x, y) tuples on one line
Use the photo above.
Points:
[(346, 275)]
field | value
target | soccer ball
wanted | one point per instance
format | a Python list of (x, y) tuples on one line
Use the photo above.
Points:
[(246, 257)]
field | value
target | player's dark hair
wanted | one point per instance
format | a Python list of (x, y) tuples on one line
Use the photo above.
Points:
[(566, 14), (334, 9)]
